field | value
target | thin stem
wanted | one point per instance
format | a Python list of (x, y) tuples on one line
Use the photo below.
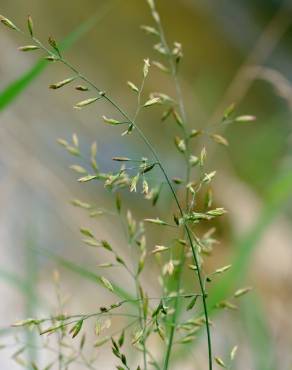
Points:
[(173, 69), (135, 276), (141, 320), (154, 362), (155, 155), (118, 305), (182, 254)]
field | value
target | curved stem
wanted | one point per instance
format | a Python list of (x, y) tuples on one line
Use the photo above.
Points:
[(155, 155), (148, 144)]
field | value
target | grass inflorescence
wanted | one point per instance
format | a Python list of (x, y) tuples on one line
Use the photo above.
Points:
[(175, 316)]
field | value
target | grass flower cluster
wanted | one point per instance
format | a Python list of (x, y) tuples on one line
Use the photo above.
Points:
[(177, 315)]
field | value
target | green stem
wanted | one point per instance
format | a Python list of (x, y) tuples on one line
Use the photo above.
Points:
[(173, 69), (155, 155), (141, 321)]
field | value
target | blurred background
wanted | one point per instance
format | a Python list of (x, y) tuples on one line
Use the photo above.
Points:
[(234, 52)]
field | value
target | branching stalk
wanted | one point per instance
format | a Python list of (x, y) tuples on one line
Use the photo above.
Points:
[(105, 96)]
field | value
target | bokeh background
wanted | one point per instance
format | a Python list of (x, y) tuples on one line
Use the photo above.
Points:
[(234, 52)]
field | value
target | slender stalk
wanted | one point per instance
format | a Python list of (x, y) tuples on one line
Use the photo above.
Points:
[(142, 322), (187, 154), (173, 69), (149, 145), (146, 141)]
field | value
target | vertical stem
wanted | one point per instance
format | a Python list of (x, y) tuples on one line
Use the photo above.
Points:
[(173, 69), (142, 319)]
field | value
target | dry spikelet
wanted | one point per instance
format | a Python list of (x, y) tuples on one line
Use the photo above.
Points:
[(228, 111), (111, 121), (78, 169), (219, 139), (146, 67), (132, 86), (7, 23), (151, 4), (242, 291), (86, 232), (246, 118), (220, 362), (86, 102), (30, 25), (121, 159), (150, 30), (161, 66), (194, 160), (159, 249), (60, 84), (222, 269), (87, 178), (203, 156), (180, 144), (81, 88), (233, 353), (28, 48), (152, 101), (53, 44), (156, 221), (106, 284)]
